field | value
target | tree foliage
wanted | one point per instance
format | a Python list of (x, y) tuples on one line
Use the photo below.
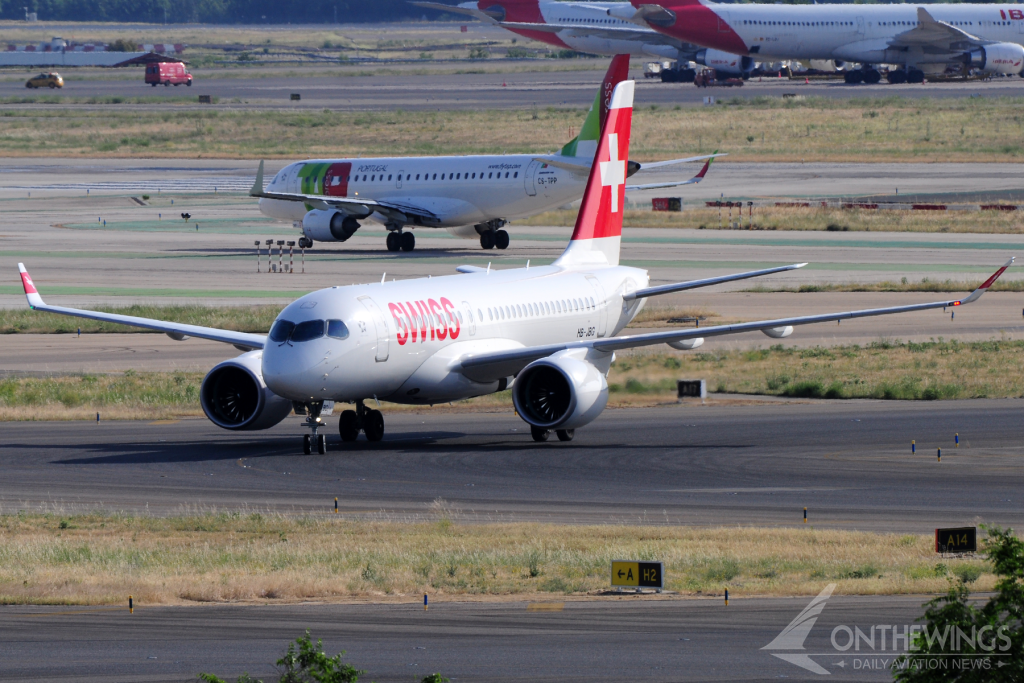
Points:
[(306, 664), (989, 639)]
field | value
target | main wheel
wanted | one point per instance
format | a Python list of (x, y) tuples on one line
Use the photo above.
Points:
[(915, 76), (539, 434), (854, 77), (307, 447), (408, 241), (373, 425), (871, 77), (501, 239), (487, 239), (394, 241), (348, 425), (896, 76), (565, 434)]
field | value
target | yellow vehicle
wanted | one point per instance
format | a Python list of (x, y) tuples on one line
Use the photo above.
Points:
[(50, 80)]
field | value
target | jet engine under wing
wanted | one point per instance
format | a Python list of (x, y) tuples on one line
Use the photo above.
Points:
[(359, 207), (241, 340), (490, 367)]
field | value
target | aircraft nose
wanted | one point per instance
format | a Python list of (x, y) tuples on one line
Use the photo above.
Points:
[(288, 370)]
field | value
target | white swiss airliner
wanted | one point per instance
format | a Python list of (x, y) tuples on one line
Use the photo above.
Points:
[(548, 332), (471, 196), (921, 40)]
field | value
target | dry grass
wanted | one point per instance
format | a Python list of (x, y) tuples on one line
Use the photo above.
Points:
[(101, 558), (254, 318), (697, 215), (816, 129), (885, 370)]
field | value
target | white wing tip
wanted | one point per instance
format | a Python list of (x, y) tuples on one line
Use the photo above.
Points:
[(21, 268), (799, 265)]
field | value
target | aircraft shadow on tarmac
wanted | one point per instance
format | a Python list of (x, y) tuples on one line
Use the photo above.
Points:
[(410, 443)]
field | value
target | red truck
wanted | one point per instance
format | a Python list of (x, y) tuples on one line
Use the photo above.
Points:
[(168, 73)]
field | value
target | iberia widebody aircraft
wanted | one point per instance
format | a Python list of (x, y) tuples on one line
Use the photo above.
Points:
[(471, 196), (547, 332), (587, 27), (920, 40)]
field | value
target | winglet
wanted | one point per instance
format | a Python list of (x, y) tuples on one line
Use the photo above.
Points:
[(257, 186), (31, 293), (976, 294), (707, 165)]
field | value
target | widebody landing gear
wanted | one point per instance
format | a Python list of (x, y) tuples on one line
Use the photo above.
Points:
[(305, 243), (369, 422), (489, 239), (401, 241), (313, 421)]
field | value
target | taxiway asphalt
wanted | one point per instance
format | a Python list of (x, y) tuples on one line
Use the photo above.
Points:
[(848, 462), (616, 639)]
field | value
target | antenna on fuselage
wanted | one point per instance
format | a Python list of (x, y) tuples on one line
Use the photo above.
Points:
[(488, 267), (527, 264), (383, 276)]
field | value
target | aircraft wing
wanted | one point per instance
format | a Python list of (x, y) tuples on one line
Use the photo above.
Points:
[(675, 183), (637, 33), (935, 34), (356, 206), (490, 367), (241, 340), (673, 162), (583, 169), (482, 15)]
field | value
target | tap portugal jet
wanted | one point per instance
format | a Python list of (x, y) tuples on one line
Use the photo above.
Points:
[(923, 41), (471, 196), (547, 332), (587, 27)]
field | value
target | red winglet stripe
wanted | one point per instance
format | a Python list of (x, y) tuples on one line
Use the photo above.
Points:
[(988, 282), (30, 288), (703, 170)]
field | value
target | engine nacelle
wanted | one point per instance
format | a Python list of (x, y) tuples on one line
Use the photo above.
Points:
[(560, 392), (1000, 58), (724, 61), (779, 332), (234, 396), (687, 344), (328, 226)]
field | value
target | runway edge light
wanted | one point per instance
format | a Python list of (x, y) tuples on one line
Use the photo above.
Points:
[(131, 605)]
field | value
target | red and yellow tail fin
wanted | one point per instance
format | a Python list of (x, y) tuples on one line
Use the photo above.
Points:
[(598, 232)]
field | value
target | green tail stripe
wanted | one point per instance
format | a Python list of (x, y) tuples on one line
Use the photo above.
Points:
[(591, 129)]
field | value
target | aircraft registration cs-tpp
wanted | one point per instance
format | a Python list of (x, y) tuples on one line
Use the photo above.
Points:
[(469, 195), (922, 41), (546, 332), (587, 27)]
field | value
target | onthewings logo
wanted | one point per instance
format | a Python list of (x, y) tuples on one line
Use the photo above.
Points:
[(794, 635)]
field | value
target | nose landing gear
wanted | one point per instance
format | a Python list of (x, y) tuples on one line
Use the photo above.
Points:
[(313, 421), (369, 422)]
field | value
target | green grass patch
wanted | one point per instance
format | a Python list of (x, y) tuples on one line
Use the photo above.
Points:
[(256, 319)]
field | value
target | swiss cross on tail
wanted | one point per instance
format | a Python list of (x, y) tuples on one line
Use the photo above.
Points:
[(598, 231)]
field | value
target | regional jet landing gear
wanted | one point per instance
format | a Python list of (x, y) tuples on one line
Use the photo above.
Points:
[(539, 434), (314, 422), (491, 235), (398, 240), (369, 422)]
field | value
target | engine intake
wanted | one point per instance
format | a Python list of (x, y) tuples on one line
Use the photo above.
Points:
[(234, 396), (1002, 58), (560, 392), (328, 226)]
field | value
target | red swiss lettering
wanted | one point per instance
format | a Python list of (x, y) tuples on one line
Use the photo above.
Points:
[(448, 306), (442, 330), (424, 316), (411, 314), (397, 313)]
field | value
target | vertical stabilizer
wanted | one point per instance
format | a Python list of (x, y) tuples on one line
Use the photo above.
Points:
[(585, 144), (598, 232)]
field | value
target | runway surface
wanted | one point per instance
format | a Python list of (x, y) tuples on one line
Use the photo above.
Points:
[(848, 462), (634, 639), (339, 87)]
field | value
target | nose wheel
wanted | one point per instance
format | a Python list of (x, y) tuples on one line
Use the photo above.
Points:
[(313, 421), (369, 422)]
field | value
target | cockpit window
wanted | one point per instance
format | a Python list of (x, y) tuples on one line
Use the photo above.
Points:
[(307, 331), (282, 328), (337, 329)]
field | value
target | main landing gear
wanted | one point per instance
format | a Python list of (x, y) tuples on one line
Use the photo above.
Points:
[(313, 421), (369, 422), (539, 434), (400, 241), (489, 239)]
